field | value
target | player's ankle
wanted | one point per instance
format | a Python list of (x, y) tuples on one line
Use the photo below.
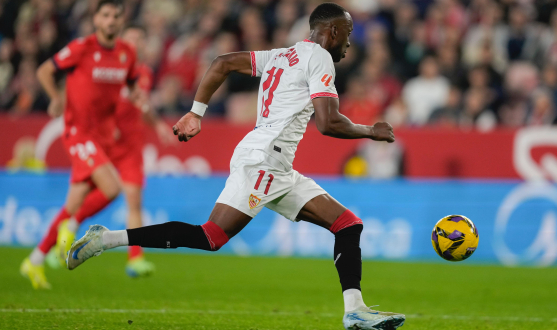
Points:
[(353, 300), (114, 238), (37, 257), (72, 225)]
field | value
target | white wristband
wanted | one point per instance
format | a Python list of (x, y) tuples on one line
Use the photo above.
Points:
[(199, 108)]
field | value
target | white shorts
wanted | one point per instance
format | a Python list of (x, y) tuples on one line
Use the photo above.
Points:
[(257, 179)]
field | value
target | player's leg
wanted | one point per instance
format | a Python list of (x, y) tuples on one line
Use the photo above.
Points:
[(137, 265), (328, 213), (106, 187), (224, 223), (33, 266), (234, 209)]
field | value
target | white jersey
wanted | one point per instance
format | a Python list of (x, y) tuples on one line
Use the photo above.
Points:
[(290, 79)]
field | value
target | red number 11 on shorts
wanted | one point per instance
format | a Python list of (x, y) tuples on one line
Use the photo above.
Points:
[(261, 175)]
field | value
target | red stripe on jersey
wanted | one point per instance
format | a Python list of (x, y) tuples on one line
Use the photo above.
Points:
[(324, 95), (307, 40), (253, 64)]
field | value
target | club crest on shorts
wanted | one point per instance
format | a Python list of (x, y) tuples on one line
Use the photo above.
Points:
[(253, 201)]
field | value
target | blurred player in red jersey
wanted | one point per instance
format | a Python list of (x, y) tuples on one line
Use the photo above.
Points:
[(126, 155), (98, 67)]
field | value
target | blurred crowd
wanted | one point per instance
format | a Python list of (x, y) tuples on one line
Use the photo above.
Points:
[(458, 64)]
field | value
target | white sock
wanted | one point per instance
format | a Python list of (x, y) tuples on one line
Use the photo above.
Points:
[(115, 238), (73, 225), (353, 300), (37, 257)]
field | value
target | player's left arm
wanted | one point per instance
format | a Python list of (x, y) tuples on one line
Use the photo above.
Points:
[(331, 122), (243, 62)]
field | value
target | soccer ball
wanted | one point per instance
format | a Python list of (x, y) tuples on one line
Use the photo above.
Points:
[(455, 238)]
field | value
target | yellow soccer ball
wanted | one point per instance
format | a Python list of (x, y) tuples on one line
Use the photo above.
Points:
[(455, 238)]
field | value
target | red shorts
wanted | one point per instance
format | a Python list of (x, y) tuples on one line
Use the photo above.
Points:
[(86, 155), (128, 160)]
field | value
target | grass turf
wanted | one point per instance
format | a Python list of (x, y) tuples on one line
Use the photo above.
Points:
[(227, 292)]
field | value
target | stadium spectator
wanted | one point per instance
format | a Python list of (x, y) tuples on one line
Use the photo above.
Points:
[(543, 108), (474, 112), (475, 44), (6, 67), (447, 115), (426, 92), (358, 105)]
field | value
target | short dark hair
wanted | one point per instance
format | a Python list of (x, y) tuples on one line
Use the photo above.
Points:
[(324, 13), (116, 3), (136, 27)]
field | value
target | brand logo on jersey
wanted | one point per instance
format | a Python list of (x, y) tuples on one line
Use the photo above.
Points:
[(97, 56), (123, 57), (277, 149), (326, 80), (253, 201), (109, 75)]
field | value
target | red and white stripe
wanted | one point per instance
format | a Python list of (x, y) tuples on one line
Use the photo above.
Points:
[(324, 95), (253, 64)]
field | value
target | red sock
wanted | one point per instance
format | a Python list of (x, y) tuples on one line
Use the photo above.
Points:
[(345, 220), (50, 238), (94, 203), (134, 251)]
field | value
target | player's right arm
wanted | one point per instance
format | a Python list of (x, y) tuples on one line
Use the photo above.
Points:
[(243, 62), (45, 75), (65, 59)]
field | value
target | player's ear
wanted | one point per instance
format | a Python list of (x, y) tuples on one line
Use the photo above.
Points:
[(334, 31)]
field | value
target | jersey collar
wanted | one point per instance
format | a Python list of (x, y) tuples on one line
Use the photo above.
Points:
[(307, 40)]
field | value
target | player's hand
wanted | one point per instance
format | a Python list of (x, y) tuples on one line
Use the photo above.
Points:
[(56, 107), (382, 131), (187, 127), (164, 133)]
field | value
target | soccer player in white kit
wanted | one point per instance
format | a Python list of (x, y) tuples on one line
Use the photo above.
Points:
[(295, 82)]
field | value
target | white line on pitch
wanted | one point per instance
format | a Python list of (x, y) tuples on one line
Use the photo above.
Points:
[(193, 311)]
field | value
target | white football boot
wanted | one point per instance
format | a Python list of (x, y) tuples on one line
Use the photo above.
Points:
[(90, 245), (365, 318)]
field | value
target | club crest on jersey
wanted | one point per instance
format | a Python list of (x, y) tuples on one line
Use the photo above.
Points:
[(97, 56), (326, 80), (253, 201), (123, 57)]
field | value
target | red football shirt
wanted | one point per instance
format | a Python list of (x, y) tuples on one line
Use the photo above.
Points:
[(96, 75), (128, 117)]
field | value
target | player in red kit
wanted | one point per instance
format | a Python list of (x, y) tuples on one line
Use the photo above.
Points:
[(126, 155), (97, 66)]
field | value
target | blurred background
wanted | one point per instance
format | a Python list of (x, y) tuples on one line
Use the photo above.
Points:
[(469, 86)]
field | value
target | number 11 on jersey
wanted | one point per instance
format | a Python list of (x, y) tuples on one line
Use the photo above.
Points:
[(266, 103)]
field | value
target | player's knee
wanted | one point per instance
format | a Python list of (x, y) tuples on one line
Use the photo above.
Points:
[(215, 235), (112, 192), (347, 220)]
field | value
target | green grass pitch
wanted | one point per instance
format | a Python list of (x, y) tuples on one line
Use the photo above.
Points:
[(227, 292)]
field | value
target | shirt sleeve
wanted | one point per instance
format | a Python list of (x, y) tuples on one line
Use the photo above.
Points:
[(69, 56), (321, 75), (258, 61)]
